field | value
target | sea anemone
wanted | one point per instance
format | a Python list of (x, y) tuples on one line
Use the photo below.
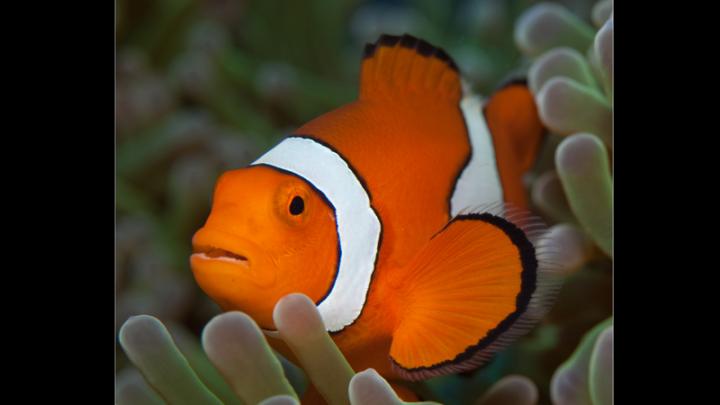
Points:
[(571, 77), (586, 377), (238, 365)]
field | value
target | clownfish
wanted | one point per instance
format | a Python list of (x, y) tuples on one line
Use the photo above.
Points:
[(402, 215)]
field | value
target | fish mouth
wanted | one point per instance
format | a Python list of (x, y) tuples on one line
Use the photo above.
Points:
[(216, 246), (209, 252), (235, 272)]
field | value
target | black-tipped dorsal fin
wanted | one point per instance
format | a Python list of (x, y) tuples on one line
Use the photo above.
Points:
[(405, 66)]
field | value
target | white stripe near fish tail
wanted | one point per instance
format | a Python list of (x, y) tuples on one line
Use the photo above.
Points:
[(479, 182)]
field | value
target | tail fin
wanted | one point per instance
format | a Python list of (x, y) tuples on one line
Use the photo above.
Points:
[(512, 118)]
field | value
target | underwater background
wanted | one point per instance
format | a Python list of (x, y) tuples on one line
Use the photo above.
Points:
[(204, 86)]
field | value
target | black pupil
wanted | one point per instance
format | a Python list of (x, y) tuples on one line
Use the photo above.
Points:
[(297, 205)]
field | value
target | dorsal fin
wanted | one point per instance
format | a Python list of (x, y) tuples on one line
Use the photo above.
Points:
[(404, 66)]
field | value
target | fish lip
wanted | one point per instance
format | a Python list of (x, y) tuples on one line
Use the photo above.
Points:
[(202, 256), (220, 246), (211, 252)]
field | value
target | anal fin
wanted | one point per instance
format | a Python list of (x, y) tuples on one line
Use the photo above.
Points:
[(479, 283)]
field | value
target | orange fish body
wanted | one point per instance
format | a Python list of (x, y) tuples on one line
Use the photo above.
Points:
[(400, 214)]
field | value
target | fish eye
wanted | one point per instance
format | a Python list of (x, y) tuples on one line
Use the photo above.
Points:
[(297, 205)]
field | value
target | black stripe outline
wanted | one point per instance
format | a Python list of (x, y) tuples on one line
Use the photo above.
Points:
[(528, 285)]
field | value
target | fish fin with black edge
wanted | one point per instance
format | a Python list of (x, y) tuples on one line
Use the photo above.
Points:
[(396, 67), (480, 283)]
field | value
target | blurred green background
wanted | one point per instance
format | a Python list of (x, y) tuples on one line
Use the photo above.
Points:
[(204, 86)]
